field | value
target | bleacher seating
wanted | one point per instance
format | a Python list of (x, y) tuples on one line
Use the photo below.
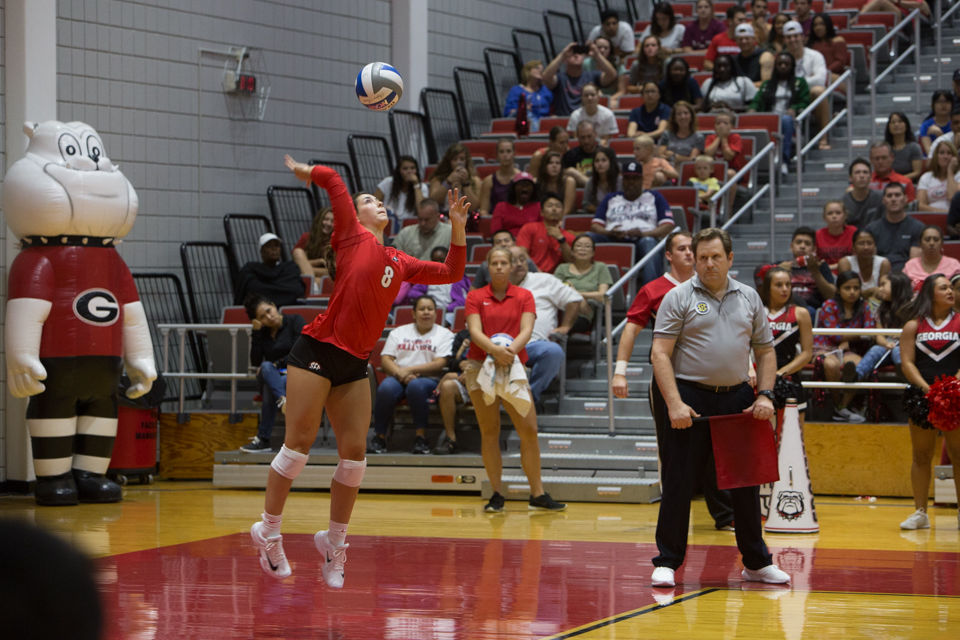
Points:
[(371, 159), (208, 270), (320, 197), (243, 231), (409, 137), (503, 68), (292, 210), (442, 114), (476, 99)]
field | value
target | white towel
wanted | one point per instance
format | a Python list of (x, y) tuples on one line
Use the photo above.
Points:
[(510, 383)]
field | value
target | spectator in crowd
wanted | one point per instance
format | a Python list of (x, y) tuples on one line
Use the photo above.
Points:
[(865, 262), (760, 20), (703, 180), (550, 179), (558, 141), (954, 134), (648, 67), (941, 104), (502, 239), (899, 8), (931, 259), (724, 144), (419, 240), (727, 89), (881, 159), (787, 94), (908, 155), (656, 171), (588, 276), (602, 118), (619, 83), (681, 142), (604, 179), (753, 61), (664, 25), (841, 354), (312, 250), (413, 358), (578, 161), (811, 278), (698, 34), (551, 297), (812, 67), (835, 240), (546, 242), (537, 97), (897, 235), (824, 39), (455, 171), (402, 192), (893, 295), (863, 204), (953, 217), (447, 297), (566, 77), (498, 309), (272, 278), (726, 43), (618, 32), (938, 184), (494, 188), (521, 206), (803, 14), (652, 116), (634, 215), (775, 42), (273, 336), (678, 85), (451, 391)]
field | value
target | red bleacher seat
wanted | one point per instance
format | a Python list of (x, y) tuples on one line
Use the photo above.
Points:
[(694, 59), (622, 146), (483, 226), (640, 25), (578, 200), (428, 171), (766, 121), (701, 77), (630, 101), (888, 20), (705, 122), (502, 125), (404, 315), (307, 312), (553, 121), (483, 170), (374, 359), (618, 253), (687, 172), (234, 315), (930, 217), (855, 5), (840, 19), (481, 150), (406, 222), (479, 252), (577, 223), (528, 147), (952, 249), (816, 6), (720, 8), (459, 319), (684, 10), (684, 197)]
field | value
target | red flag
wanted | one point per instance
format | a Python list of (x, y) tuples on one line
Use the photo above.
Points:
[(744, 451)]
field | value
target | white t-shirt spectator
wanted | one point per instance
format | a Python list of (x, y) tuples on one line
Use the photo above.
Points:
[(645, 213), (936, 190), (624, 40), (604, 121), (550, 295), (670, 40), (736, 93), (410, 347), (812, 67), (398, 205)]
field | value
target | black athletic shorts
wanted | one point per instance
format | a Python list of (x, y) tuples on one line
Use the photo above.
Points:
[(326, 360), (78, 386)]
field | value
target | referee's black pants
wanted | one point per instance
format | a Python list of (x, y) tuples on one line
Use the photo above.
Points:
[(685, 454)]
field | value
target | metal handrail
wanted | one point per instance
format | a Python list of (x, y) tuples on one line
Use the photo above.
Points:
[(941, 17), (914, 17), (847, 112), (735, 180)]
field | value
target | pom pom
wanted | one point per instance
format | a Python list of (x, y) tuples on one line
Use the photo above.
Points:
[(786, 387), (944, 401), (916, 407)]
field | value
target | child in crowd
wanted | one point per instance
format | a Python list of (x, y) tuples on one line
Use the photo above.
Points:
[(895, 293), (703, 180), (656, 171), (835, 240), (812, 279)]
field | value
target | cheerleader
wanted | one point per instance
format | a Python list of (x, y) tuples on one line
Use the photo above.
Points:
[(929, 347), (791, 326)]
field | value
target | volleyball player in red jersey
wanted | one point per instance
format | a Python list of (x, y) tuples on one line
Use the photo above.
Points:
[(929, 347), (327, 367)]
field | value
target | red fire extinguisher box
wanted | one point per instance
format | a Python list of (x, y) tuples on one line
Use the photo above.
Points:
[(135, 449)]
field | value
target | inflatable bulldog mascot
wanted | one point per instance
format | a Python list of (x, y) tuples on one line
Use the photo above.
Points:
[(73, 315)]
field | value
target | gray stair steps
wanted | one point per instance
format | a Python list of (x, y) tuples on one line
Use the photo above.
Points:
[(570, 487)]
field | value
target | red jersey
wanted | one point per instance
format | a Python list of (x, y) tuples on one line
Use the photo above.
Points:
[(736, 145), (938, 347), (649, 298), (368, 276), (831, 248), (722, 43), (499, 316), (877, 183), (302, 242), (543, 248), (88, 287), (510, 217)]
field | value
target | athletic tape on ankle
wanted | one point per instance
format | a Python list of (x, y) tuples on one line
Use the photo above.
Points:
[(350, 472), (289, 463)]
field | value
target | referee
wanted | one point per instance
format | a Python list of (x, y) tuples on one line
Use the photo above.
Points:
[(702, 339)]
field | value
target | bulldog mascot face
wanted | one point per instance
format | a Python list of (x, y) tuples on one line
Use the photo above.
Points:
[(74, 319)]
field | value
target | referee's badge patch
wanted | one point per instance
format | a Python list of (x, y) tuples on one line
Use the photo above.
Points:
[(702, 308)]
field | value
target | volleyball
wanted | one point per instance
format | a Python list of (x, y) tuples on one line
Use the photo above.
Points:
[(502, 339), (379, 86)]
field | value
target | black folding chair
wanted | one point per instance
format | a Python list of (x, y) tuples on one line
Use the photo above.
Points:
[(587, 14), (530, 45), (243, 231), (408, 133), (441, 111), (503, 69), (371, 158), (292, 210), (476, 99), (208, 270), (561, 30)]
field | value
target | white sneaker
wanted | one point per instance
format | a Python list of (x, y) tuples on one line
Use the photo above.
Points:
[(771, 574), (662, 577), (919, 520), (333, 559), (272, 559)]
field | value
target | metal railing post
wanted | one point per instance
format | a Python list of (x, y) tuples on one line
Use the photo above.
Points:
[(183, 364), (850, 104), (916, 56), (798, 132), (771, 163), (873, 90), (608, 325), (939, 38)]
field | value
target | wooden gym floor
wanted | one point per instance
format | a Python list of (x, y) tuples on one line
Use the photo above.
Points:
[(175, 561)]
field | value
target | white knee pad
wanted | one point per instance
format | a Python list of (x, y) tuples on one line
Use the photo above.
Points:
[(289, 463), (350, 472)]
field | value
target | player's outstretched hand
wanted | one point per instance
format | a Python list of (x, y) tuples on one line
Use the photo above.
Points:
[(301, 170), (459, 208)]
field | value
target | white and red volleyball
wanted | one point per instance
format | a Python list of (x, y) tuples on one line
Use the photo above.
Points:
[(379, 86)]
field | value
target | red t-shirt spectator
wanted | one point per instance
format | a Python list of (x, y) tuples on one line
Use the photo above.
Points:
[(877, 183), (722, 43), (302, 242), (649, 298), (831, 248), (498, 316), (511, 217), (735, 144), (544, 249)]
